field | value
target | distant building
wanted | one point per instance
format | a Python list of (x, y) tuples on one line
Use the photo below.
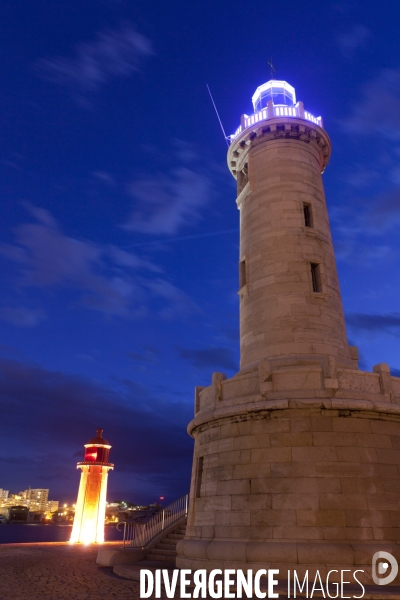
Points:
[(34, 499), (52, 506), (17, 514), (37, 498)]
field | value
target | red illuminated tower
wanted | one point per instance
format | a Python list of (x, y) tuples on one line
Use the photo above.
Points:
[(90, 510)]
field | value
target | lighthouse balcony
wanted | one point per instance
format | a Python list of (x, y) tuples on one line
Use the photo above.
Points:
[(91, 463), (272, 111)]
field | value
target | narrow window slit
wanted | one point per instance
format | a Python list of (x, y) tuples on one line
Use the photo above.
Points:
[(316, 277), (242, 273), (308, 218), (199, 476)]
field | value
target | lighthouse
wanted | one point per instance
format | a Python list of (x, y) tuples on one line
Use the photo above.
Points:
[(296, 457), (90, 508)]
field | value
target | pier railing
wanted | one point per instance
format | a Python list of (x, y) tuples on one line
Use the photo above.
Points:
[(137, 535)]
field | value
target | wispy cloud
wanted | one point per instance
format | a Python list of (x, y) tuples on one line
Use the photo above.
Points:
[(104, 278), (166, 203), (211, 357), (114, 53), (353, 40), (21, 316), (377, 111), (389, 323)]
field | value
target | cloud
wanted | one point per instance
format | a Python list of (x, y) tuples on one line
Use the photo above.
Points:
[(23, 317), (164, 204), (114, 53), (104, 177), (384, 212), (211, 358), (377, 111), (54, 414), (148, 355), (355, 39), (132, 261), (104, 278), (178, 303), (389, 323)]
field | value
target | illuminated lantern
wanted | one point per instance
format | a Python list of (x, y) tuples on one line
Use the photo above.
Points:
[(90, 508)]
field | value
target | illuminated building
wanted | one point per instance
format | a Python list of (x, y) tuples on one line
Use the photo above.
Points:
[(90, 508), (37, 498), (296, 456)]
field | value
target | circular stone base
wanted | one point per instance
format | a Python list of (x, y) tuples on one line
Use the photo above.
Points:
[(288, 557)]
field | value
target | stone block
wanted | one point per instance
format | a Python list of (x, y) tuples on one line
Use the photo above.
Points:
[(236, 457), (252, 471), (297, 533), (252, 502), (388, 456), (274, 518), (263, 426), (233, 487), (321, 518), (362, 455), (265, 553), (110, 557), (271, 455), (280, 485), (333, 438), (300, 424), (368, 518), (352, 425), (381, 502), (325, 554), (331, 484), (293, 469), (314, 454), (321, 424), (358, 485), (295, 501), (368, 440), (251, 441), (385, 427), (290, 439), (343, 501), (214, 503), (386, 533)]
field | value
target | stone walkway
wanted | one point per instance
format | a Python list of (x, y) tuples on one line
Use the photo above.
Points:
[(58, 571)]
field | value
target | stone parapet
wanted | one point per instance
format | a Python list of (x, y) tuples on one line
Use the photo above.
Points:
[(313, 380)]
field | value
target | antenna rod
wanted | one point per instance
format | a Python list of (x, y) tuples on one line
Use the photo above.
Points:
[(220, 122)]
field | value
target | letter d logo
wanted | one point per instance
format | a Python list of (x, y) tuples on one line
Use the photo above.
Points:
[(383, 567)]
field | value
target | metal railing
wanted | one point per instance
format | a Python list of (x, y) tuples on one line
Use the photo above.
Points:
[(137, 535), (276, 111)]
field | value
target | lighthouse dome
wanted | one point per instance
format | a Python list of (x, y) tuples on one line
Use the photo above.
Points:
[(280, 92), (98, 440)]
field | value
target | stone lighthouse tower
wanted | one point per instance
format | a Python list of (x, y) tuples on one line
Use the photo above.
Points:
[(90, 509), (297, 457)]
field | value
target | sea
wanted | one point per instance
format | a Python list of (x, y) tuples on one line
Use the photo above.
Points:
[(12, 533)]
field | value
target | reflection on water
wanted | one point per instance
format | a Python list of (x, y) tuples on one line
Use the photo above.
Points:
[(12, 533)]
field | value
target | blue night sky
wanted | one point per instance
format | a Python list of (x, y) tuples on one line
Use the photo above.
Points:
[(119, 236)]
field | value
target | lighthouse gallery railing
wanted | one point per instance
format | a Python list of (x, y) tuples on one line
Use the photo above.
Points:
[(137, 535), (275, 111)]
